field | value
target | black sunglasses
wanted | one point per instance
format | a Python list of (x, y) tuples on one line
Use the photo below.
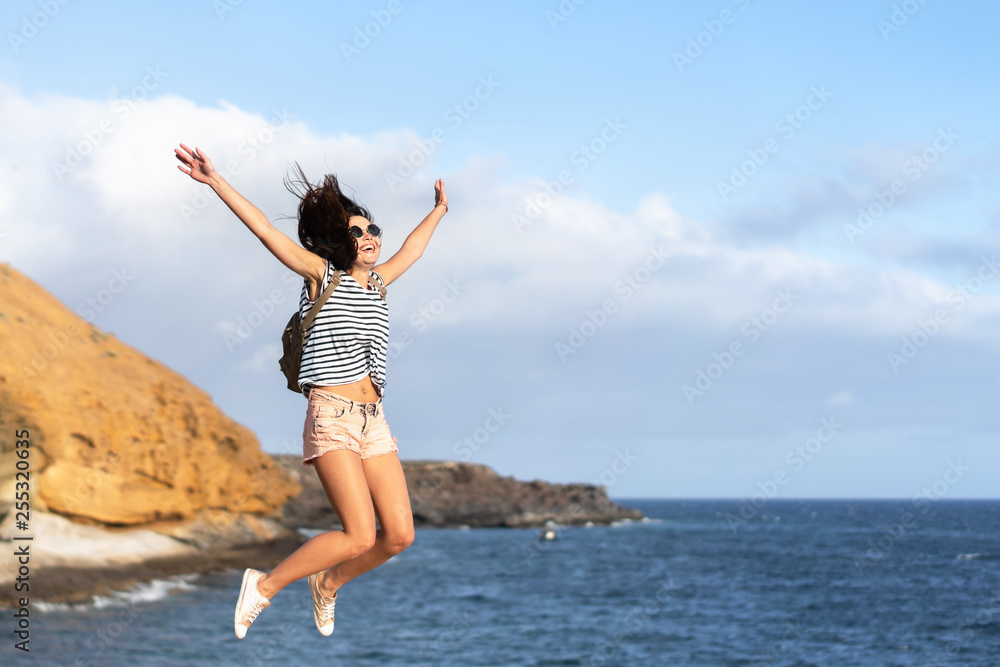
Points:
[(373, 229)]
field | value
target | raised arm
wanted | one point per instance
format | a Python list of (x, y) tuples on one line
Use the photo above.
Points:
[(413, 246), (295, 257)]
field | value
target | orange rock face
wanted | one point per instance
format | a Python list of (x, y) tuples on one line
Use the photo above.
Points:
[(116, 437)]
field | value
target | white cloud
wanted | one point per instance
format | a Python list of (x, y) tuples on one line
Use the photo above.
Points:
[(124, 199)]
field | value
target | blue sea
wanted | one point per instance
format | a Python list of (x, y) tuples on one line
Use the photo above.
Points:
[(790, 582)]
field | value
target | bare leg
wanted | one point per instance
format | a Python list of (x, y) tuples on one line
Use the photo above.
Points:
[(343, 479), (387, 486)]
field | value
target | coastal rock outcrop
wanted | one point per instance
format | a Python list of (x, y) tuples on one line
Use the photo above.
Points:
[(449, 493)]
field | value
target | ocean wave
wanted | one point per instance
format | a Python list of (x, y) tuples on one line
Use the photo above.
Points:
[(633, 522), (148, 591), (970, 556)]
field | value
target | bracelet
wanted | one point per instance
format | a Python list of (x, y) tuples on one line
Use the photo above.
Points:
[(445, 207)]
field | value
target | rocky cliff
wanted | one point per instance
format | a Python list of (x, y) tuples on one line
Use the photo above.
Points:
[(447, 493), (116, 437)]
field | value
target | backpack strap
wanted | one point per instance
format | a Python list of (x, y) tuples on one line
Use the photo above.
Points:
[(314, 311), (378, 283)]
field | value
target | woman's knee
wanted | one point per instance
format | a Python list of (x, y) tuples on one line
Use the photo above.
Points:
[(365, 544), (397, 541), (360, 542)]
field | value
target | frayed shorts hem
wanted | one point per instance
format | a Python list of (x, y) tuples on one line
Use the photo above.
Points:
[(369, 453)]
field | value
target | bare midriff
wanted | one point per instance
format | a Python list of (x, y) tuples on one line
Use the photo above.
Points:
[(362, 391)]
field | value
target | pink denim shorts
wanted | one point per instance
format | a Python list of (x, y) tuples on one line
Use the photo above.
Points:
[(334, 422)]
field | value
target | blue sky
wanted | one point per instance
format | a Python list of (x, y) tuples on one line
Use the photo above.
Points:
[(731, 146)]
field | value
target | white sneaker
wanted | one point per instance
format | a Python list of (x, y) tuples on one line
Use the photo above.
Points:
[(250, 602), (322, 607)]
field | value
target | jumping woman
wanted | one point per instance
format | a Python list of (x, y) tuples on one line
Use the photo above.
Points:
[(346, 438)]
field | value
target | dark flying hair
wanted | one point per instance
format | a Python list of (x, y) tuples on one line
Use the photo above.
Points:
[(323, 214)]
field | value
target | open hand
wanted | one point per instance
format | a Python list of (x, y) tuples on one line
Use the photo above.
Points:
[(199, 167), (439, 194)]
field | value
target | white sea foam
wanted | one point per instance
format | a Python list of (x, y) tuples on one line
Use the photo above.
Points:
[(149, 591), (969, 556)]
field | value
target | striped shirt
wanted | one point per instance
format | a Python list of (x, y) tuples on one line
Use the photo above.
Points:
[(349, 338)]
